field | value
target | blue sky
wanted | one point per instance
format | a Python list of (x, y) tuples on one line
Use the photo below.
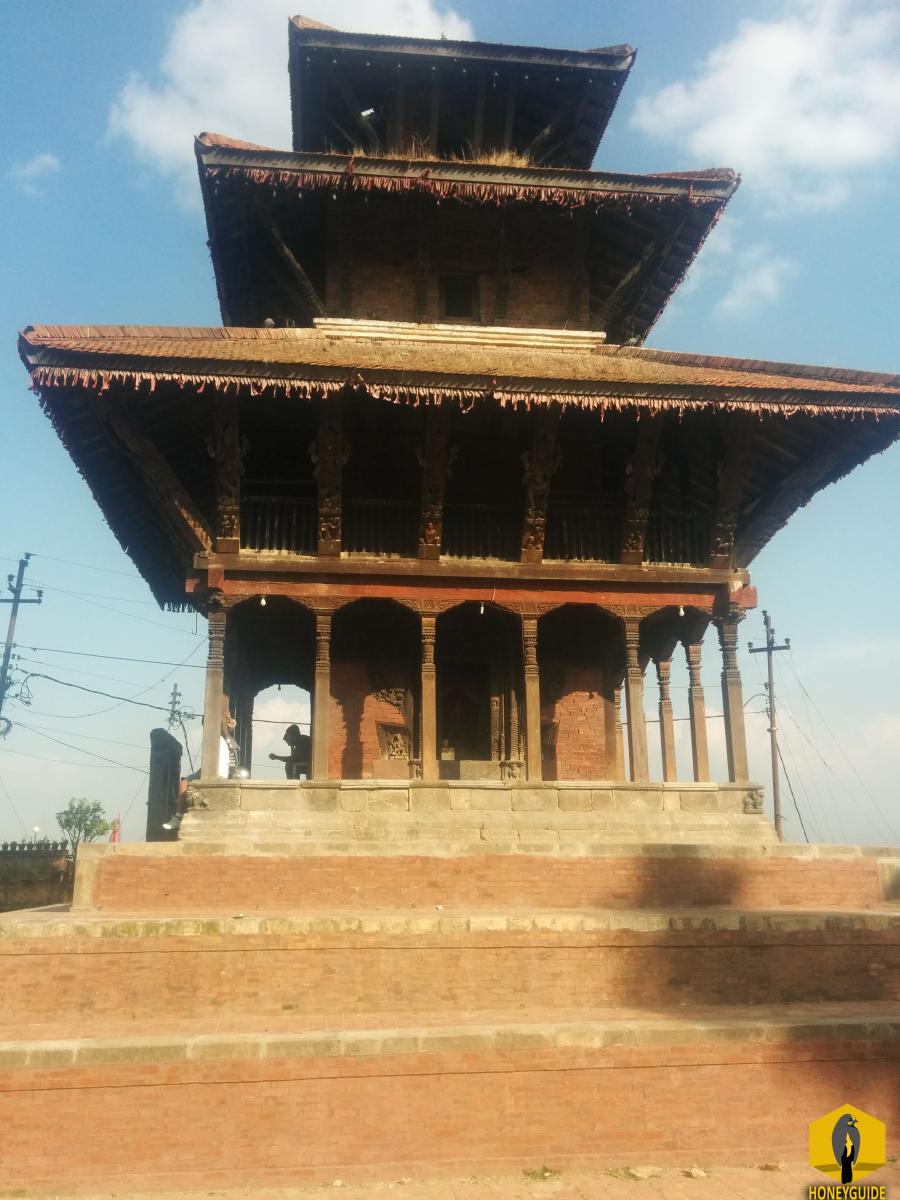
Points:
[(102, 225)]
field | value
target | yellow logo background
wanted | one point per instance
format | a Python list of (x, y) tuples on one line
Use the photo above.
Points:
[(872, 1143)]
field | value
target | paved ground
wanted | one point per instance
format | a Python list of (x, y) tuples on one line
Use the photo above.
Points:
[(720, 1183)]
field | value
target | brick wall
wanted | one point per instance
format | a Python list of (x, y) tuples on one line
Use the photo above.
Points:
[(463, 239), (577, 709), (62, 987), (156, 883), (354, 715), (163, 1124)]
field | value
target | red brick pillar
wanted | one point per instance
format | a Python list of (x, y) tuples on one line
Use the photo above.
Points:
[(429, 700), (321, 696), (697, 710), (214, 694), (634, 703), (733, 699), (533, 766), (666, 721)]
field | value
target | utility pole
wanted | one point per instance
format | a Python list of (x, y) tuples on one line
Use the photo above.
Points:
[(769, 649), (16, 589), (174, 707)]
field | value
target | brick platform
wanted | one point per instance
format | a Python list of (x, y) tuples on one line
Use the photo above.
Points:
[(379, 1013)]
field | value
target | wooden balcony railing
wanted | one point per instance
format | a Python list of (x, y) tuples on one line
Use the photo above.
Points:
[(278, 523), (380, 527), (482, 531), (582, 533)]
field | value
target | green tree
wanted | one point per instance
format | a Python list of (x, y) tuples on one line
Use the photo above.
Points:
[(82, 820)]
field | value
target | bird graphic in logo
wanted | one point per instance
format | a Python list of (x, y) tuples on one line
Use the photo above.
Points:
[(845, 1144)]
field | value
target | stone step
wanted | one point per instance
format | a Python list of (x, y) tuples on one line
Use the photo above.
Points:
[(205, 877), (272, 1108), (73, 974)]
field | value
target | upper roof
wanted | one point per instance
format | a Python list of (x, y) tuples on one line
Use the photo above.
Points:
[(382, 92), (645, 229)]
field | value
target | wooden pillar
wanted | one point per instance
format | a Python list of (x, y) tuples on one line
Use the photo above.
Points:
[(666, 721), (321, 696), (634, 703), (733, 699), (214, 694), (226, 450), (533, 765), (429, 700), (328, 455), (697, 710), (539, 463), (435, 459), (619, 735)]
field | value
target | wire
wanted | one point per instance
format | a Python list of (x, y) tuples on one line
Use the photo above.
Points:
[(37, 585), (12, 806), (154, 662), (793, 797), (96, 692), (66, 762), (87, 566), (137, 792), (89, 737), (88, 674), (80, 749)]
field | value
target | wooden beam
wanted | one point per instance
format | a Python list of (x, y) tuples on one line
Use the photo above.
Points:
[(355, 109), (329, 456), (310, 295), (478, 123), (777, 504), (171, 499), (510, 116), (539, 463), (436, 460), (642, 470), (732, 469), (434, 124), (226, 449)]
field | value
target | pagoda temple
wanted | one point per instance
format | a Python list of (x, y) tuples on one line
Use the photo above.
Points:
[(427, 471)]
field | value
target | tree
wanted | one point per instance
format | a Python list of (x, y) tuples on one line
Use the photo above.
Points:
[(82, 820)]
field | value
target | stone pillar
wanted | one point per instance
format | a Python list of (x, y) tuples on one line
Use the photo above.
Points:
[(321, 696), (666, 721), (634, 703), (697, 710), (214, 695), (733, 699), (533, 765), (618, 736), (429, 700)]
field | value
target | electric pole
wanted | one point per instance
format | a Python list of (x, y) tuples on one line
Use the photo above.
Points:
[(16, 589), (769, 649), (174, 707)]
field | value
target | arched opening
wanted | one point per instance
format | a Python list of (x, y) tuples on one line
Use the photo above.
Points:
[(267, 644), (478, 653), (374, 714), (581, 658)]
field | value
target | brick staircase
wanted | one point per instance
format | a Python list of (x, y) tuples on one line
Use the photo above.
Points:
[(209, 1015)]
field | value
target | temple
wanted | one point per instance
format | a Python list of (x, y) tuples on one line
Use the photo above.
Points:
[(427, 471)]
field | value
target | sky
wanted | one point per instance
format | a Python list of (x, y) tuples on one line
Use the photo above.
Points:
[(102, 224)]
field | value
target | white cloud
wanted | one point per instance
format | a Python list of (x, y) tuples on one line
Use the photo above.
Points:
[(758, 277), (796, 104), (31, 176), (224, 68)]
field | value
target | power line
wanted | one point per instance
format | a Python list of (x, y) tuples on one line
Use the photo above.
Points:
[(81, 750), (791, 790), (47, 587), (87, 566), (12, 806), (90, 737), (16, 589), (155, 662), (94, 692), (66, 762), (37, 662)]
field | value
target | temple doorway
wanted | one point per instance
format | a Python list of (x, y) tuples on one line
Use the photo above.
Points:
[(479, 692)]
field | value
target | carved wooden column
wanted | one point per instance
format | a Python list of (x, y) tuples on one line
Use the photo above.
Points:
[(697, 710), (436, 459), (328, 455), (732, 698), (214, 696), (429, 699), (533, 765), (618, 735), (643, 468), (634, 703), (226, 450), (321, 695), (539, 464), (666, 721)]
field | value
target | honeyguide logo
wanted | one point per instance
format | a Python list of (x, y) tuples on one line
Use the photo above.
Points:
[(847, 1144)]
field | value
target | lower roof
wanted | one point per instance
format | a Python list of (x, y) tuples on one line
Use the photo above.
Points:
[(402, 369)]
